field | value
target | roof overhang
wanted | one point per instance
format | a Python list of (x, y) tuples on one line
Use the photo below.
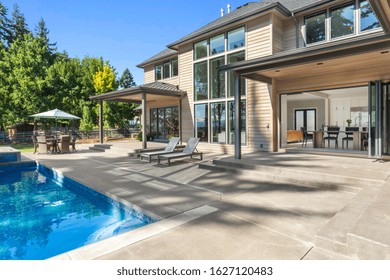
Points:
[(309, 54), (154, 91), (364, 59), (382, 11)]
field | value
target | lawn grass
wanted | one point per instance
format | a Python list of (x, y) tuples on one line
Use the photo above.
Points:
[(29, 147)]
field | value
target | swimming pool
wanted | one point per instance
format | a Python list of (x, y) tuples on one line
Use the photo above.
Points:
[(43, 214)]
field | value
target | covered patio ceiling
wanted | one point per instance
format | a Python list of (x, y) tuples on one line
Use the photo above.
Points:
[(154, 91), (343, 63)]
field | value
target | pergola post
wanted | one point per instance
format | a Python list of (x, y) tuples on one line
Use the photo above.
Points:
[(237, 115), (180, 122), (143, 122), (101, 126)]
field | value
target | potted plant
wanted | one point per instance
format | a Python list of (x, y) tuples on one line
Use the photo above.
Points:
[(349, 121)]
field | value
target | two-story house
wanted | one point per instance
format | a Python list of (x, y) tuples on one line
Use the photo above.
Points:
[(243, 82)]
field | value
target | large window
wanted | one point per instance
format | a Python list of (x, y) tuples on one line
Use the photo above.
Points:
[(352, 18), (368, 19), (235, 57), (236, 39), (166, 70), (200, 81), (218, 122), (315, 28), (231, 130), (201, 122), (200, 50), (213, 90), (342, 21), (217, 80), (164, 123), (217, 44)]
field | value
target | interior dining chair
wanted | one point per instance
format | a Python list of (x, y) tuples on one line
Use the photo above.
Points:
[(332, 134), (348, 135)]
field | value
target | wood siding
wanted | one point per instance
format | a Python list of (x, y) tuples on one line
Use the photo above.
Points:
[(277, 34), (259, 109), (259, 37), (148, 74), (186, 84)]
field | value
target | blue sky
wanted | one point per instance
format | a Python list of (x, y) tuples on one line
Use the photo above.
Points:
[(124, 32)]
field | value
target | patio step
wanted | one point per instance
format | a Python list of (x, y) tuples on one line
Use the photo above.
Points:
[(360, 230), (309, 178), (108, 148)]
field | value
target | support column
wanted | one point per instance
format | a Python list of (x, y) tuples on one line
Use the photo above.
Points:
[(275, 116), (180, 122), (237, 116), (101, 126), (143, 122)]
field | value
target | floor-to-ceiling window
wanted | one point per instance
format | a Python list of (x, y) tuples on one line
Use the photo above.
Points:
[(164, 123), (214, 91)]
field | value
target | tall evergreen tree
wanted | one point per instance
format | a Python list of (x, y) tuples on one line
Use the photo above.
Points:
[(5, 31), (42, 33), (126, 80), (18, 26)]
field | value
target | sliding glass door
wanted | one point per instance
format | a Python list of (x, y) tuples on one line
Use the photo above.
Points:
[(378, 119)]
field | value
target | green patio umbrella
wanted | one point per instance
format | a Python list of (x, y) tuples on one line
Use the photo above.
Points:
[(55, 114)]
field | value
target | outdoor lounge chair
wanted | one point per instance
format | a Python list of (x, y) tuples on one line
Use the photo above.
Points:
[(189, 151), (170, 148)]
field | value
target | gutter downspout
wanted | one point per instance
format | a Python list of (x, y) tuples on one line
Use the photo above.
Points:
[(296, 30)]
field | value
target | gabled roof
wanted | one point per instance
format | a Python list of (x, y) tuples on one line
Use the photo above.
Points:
[(242, 12), (161, 55)]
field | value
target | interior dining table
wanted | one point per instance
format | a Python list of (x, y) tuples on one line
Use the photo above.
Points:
[(318, 136)]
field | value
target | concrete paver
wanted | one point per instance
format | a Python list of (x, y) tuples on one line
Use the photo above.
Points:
[(255, 217)]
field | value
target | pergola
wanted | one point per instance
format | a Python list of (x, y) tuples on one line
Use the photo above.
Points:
[(140, 95)]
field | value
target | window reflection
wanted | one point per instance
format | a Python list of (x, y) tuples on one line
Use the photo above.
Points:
[(368, 19), (201, 122), (217, 44), (236, 39), (342, 21), (218, 122), (315, 28)]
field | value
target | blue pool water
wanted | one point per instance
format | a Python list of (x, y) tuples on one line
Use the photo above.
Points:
[(43, 214)]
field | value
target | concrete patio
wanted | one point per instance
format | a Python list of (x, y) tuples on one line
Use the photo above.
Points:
[(265, 206)]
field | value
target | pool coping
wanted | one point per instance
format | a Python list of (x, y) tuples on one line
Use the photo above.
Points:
[(112, 244)]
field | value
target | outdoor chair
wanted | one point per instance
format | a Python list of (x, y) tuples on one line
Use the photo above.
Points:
[(73, 142), (332, 135), (64, 144), (348, 135), (189, 151), (170, 148), (43, 145)]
